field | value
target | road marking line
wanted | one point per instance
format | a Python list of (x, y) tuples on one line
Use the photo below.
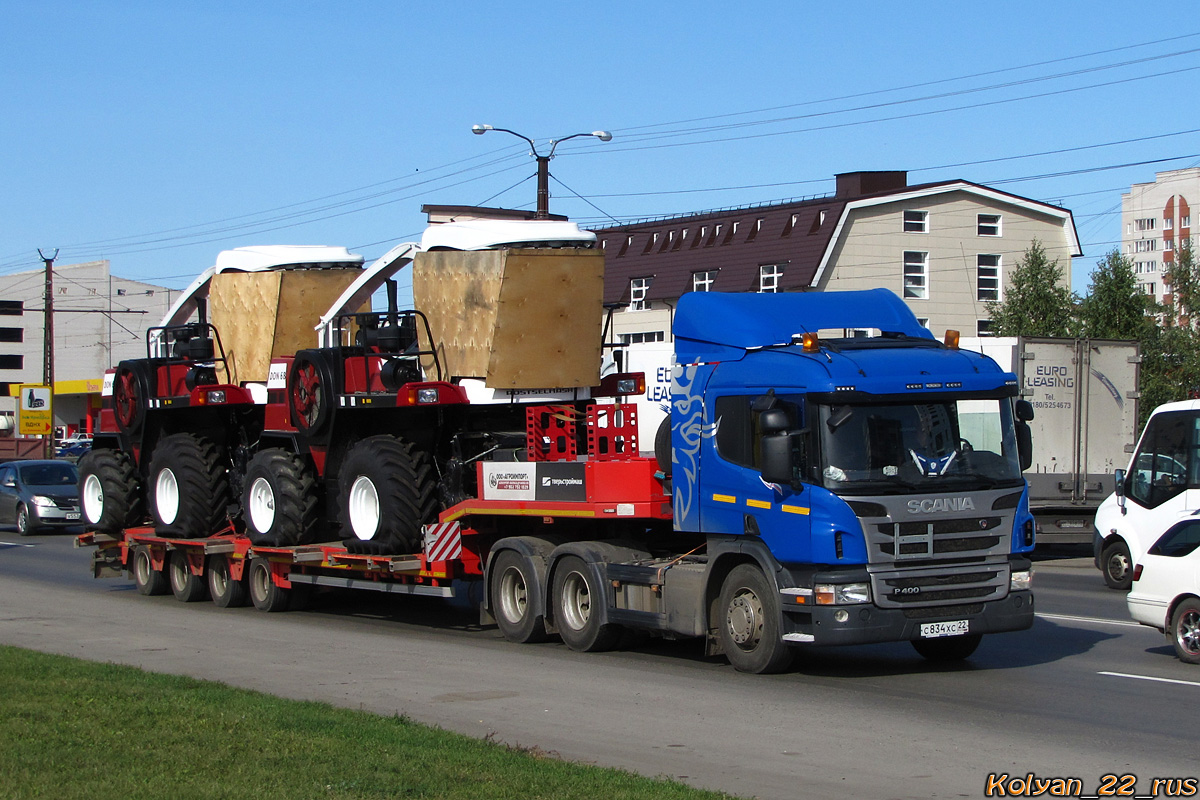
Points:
[(16, 544), (1148, 678), (1097, 620)]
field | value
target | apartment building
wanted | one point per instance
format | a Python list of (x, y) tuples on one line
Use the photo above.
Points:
[(1155, 218)]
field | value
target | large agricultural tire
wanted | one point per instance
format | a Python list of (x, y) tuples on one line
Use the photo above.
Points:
[(222, 588), (513, 588), (388, 491), (187, 586), (188, 487), (577, 598), (264, 593), (147, 579), (131, 395), (109, 491), (279, 503), (748, 622)]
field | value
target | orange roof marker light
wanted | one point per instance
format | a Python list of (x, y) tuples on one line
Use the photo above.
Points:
[(951, 339), (812, 344)]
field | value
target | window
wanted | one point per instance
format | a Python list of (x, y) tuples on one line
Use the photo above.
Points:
[(916, 275), (650, 242), (1145, 245), (1185, 221), (916, 222), (989, 224), (1167, 223), (637, 293), (1168, 244), (923, 322), (1146, 224), (738, 433), (1178, 541), (703, 281), (988, 277), (1150, 288), (642, 337), (983, 327), (769, 276), (1166, 463), (625, 246)]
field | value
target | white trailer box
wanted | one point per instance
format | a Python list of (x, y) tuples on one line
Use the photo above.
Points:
[(1084, 396)]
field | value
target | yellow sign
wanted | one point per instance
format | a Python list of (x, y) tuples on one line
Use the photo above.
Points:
[(36, 412)]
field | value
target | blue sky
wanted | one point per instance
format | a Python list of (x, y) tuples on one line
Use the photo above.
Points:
[(155, 134)]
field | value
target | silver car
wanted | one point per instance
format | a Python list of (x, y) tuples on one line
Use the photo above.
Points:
[(39, 494)]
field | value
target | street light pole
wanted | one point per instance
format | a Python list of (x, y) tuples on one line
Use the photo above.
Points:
[(543, 161)]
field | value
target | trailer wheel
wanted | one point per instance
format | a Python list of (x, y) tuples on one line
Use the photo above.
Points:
[(748, 627), (513, 588), (948, 648), (388, 493), (130, 393), (280, 499), (265, 595), (187, 586), (1117, 565), (188, 487), (310, 391), (149, 581), (224, 590), (1185, 631), (577, 621), (109, 491)]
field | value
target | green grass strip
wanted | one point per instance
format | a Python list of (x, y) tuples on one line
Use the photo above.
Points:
[(72, 728)]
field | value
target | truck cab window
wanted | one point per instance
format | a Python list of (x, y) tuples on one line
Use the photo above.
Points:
[(738, 430), (1166, 462)]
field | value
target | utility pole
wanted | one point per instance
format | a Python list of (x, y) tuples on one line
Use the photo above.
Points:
[(48, 327)]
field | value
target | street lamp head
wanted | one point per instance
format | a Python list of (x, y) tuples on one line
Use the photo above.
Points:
[(481, 129), (603, 136)]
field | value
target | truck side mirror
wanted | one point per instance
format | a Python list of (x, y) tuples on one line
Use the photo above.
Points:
[(776, 454), (1119, 489), (1024, 410), (773, 421), (1024, 445)]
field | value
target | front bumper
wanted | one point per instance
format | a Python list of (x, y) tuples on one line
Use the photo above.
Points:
[(55, 516)]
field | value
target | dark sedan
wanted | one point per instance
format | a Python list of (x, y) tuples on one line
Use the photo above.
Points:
[(39, 494)]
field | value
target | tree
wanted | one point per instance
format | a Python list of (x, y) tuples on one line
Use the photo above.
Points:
[(1114, 308), (1035, 302)]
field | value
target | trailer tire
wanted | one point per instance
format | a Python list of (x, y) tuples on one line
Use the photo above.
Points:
[(948, 648), (279, 503), (513, 587), (224, 590), (1117, 565), (1185, 631), (130, 395), (265, 595), (187, 586), (578, 623), (310, 391), (388, 493), (188, 487), (147, 579), (748, 625), (109, 491)]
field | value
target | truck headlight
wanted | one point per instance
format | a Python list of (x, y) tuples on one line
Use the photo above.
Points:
[(841, 594), (1022, 580), (43, 501)]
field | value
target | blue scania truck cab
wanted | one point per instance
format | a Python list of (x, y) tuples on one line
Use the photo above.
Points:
[(856, 489)]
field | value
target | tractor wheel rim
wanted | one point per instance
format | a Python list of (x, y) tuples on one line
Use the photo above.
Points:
[(166, 496), (262, 505), (363, 507), (93, 499)]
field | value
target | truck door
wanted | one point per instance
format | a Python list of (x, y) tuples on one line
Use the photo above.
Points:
[(734, 497)]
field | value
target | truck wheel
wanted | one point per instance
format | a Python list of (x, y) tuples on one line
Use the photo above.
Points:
[(513, 587), (188, 487), (748, 626), (224, 590), (1185, 631), (187, 586), (109, 491), (149, 581), (948, 648), (1117, 566), (388, 493), (131, 393), (280, 499), (577, 621), (265, 595), (310, 391)]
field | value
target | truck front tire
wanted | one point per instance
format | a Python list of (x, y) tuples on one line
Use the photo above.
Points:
[(748, 625), (1117, 565), (513, 588), (109, 491), (188, 487)]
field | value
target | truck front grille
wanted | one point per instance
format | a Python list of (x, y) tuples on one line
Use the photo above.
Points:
[(939, 586)]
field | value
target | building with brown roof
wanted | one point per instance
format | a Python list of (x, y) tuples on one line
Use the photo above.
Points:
[(946, 248)]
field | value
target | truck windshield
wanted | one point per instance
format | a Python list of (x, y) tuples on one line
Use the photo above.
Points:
[(895, 448)]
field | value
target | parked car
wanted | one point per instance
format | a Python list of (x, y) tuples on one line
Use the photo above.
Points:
[(39, 493), (74, 450), (1166, 587)]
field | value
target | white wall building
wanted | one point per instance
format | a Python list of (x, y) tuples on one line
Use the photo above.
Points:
[(1155, 219)]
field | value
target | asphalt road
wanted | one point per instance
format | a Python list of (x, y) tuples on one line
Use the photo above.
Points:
[(1084, 694)]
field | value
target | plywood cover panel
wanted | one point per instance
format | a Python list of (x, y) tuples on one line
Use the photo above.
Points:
[(260, 315), (458, 292)]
